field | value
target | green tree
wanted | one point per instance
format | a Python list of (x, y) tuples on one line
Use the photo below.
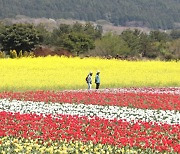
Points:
[(2, 29), (175, 49), (59, 34), (160, 44), (44, 34), (77, 27), (132, 38), (175, 34), (94, 31), (159, 36), (76, 38), (143, 45), (146, 48), (78, 43), (19, 37), (111, 44)]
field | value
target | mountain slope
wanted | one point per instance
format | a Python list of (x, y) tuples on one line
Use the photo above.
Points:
[(151, 13)]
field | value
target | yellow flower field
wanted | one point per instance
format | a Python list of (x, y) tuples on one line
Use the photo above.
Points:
[(57, 73)]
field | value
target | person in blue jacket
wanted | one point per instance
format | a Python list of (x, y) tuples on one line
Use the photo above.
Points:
[(97, 80)]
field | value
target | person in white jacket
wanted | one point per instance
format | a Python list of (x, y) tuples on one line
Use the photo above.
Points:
[(89, 80)]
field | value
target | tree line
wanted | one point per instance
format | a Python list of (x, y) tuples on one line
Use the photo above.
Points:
[(89, 40), (157, 14)]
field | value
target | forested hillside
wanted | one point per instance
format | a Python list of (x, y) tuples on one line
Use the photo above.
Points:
[(151, 13)]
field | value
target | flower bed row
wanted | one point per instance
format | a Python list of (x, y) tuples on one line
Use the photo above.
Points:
[(24, 145), (106, 112), (142, 98), (113, 132)]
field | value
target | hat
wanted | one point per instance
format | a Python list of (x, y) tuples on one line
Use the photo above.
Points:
[(98, 71), (90, 72)]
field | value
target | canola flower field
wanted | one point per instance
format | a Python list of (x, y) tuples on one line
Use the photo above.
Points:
[(59, 73)]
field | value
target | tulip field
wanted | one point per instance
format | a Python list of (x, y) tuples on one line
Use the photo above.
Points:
[(46, 108)]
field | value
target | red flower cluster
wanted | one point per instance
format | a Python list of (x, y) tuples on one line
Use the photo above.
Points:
[(162, 137), (164, 101)]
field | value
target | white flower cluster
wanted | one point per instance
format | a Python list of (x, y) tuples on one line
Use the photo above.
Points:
[(170, 90), (107, 112)]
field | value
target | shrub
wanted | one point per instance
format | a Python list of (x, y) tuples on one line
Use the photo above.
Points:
[(13, 54), (2, 54), (20, 54)]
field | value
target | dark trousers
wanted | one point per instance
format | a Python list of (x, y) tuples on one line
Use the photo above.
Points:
[(97, 85)]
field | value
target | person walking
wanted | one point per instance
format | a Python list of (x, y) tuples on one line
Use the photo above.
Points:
[(97, 80), (89, 80)]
